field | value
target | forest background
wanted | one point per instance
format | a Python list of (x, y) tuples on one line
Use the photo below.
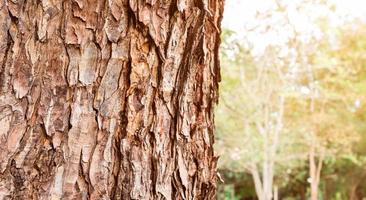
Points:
[(291, 121)]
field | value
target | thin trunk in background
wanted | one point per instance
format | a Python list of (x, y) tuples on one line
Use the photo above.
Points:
[(269, 102), (315, 167)]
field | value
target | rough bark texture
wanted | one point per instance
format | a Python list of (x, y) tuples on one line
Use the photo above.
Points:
[(108, 99)]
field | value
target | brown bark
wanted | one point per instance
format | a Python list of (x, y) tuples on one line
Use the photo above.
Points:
[(108, 99)]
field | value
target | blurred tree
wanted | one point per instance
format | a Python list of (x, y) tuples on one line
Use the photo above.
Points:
[(254, 114), (295, 105)]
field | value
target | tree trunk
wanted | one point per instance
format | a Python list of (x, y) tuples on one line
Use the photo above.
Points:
[(353, 189), (315, 171), (257, 182), (108, 99)]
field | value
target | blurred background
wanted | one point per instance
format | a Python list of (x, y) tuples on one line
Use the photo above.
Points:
[(291, 120)]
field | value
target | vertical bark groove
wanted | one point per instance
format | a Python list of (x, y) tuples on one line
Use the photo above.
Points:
[(108, 99)]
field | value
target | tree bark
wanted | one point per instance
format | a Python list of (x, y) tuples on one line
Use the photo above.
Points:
[(108, 99)]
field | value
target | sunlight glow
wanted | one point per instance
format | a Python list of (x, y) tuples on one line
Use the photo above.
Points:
[(241, 15)]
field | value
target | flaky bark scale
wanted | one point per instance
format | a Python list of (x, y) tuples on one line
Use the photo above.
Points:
[(108, 99)]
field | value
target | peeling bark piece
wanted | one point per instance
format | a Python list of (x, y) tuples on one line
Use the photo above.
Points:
[(116, 25), (88, 64), (32, 51), (109, 83), (55, 64), (73, 68), (12, 142), (42, 26), (84, 128), (4, 27), (22, 75), (5, 122)]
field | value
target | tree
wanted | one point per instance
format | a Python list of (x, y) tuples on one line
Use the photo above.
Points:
[(251, 114), (108, 99), (267, 78)]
